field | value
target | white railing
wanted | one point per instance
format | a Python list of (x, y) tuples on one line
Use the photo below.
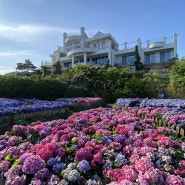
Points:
[(73, 33)]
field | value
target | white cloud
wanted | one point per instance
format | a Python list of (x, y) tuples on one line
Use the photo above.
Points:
[(24, 33), (6, 69), (15, 53)]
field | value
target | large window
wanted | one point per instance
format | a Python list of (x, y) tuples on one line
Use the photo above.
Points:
[(100, 60), (68, 64), (150, 58), (128, 60), (165, 56)]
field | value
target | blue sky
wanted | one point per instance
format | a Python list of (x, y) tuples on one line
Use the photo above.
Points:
[(32, 29)]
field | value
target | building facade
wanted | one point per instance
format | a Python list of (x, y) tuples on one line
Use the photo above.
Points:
[(103, 49)]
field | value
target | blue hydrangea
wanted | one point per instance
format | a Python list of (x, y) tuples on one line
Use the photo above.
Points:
[(83, 166), (120, 158), (51, 161), (58, 167)]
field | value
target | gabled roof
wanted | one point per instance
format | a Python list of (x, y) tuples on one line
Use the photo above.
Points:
[(99, 35)]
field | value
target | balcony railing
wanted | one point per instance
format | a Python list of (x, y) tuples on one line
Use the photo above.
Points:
[(81, 50)]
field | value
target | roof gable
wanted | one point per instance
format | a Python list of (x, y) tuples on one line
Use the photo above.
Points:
[(99, 35)]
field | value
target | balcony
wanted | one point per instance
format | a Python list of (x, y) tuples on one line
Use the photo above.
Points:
[(72, 38), (81, 50), (156, 44)]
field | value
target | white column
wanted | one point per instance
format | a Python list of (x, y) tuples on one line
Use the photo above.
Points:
[(148, 43), (85, 58), (175, 45), (90, 60), (73, 59), (125, 45)]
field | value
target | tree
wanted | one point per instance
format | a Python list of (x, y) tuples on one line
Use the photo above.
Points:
[(177, 79), (26, 66), (57, 68), (138, 64), (45, 70)]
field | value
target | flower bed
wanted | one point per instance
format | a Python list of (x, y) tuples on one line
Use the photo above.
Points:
[(15, 106), (83, 103), (97, 146), (12, 110), (130, 102)]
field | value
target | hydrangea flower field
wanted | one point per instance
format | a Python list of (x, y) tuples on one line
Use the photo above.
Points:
[(96, 147)]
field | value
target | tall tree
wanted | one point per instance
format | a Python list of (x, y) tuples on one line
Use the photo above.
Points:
[(26, 66), (57, 68), (138, 64)]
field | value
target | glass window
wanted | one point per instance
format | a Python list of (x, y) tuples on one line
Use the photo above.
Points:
[(128, 60), (94, 45), (68, 64), (103, 45), (167, 56), (162, 57), (152, 58), (147, 59), (131, 59), (124, 60)]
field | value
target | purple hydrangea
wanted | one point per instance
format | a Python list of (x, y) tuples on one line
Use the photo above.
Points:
[(4, 166), (23, 157), (3, 144), (83, 166), (119, 139), (33, 164), (19, 129), (42, 174), (19, 180), (12, 173), (13, 140)]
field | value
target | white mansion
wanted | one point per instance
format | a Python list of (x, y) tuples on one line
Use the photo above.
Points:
[(104, 49)]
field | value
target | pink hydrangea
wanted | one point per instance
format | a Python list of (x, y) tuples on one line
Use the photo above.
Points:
[(115, 146), (163, 140), (174, 180), (152, 176), (125, 173), (143, 164), (97, 159)]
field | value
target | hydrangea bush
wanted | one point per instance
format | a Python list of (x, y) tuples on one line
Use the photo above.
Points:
[(96, 146), (10, 106)]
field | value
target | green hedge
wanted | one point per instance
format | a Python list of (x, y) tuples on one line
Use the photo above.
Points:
[(18, 87)]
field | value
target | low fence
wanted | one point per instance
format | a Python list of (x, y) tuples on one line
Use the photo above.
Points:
[(7, 121), (160, 122)]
